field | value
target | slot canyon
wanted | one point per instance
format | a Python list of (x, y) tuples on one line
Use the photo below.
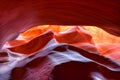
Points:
[(59, 40)]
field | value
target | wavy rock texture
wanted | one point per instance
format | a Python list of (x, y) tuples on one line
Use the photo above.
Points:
[(17, 16), (64, 62), (34, 45), (55, 55), (43, 56), (76, 36), (110, 50)]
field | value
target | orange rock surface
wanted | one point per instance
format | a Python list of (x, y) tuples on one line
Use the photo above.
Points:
[(89, 38)]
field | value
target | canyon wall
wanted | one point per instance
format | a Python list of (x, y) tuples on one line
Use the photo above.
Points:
[(17, 16)]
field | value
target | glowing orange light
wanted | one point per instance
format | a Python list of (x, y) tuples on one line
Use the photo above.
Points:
[(105, 43)]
